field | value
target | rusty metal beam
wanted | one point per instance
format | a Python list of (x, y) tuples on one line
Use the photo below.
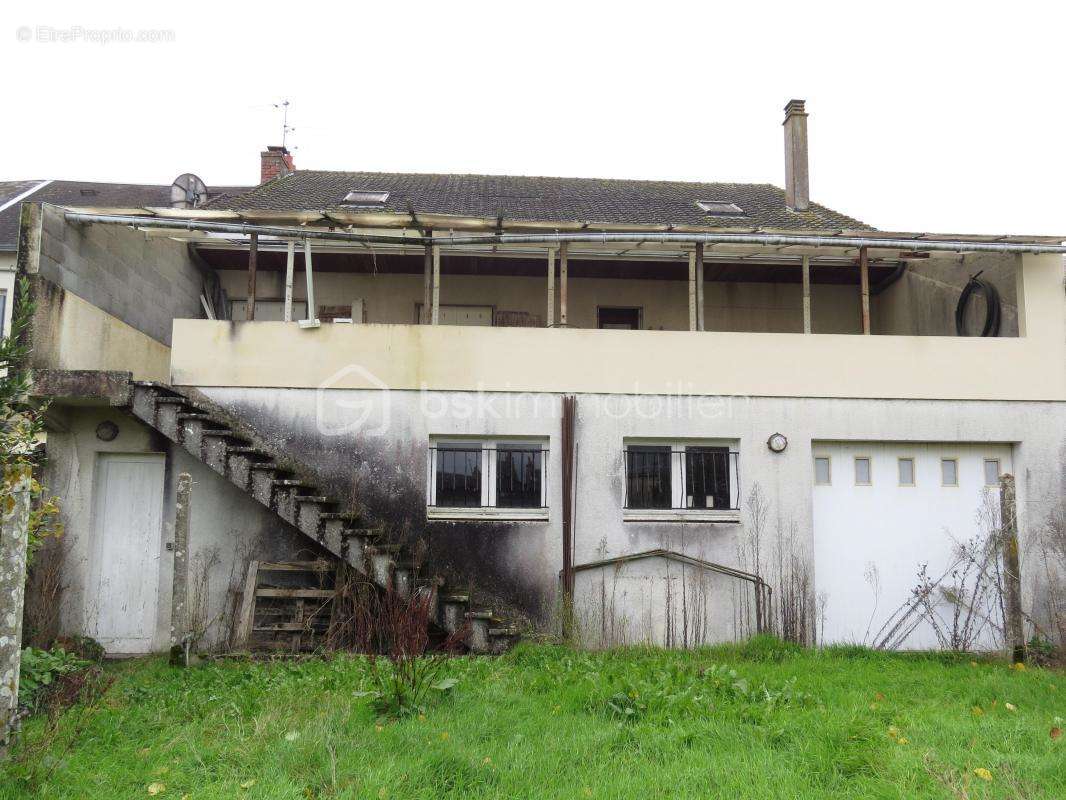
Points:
[(253, 258), (864, 288)]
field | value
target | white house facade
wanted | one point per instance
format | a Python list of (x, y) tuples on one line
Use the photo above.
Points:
[(648, 412)]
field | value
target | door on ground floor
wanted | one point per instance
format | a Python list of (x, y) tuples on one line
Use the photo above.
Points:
[(890, 518), (127, 528)]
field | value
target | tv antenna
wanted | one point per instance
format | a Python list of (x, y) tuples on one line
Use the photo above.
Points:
[(286, 129)]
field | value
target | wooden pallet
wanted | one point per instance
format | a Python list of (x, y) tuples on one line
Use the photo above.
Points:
[(294, 618)]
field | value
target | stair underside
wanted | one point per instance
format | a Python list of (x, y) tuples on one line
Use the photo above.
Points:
[(237, 453)]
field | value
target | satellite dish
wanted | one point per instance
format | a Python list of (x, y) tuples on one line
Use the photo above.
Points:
[(188, 191)]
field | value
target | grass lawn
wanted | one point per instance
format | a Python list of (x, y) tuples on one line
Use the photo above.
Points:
[(550, 722)]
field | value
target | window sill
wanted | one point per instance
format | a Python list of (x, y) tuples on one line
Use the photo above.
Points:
[(679, 515), (495, 514)]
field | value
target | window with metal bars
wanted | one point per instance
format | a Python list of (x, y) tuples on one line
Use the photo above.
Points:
[(458, 477), (648, 477), (518, 478), (679, 477), (488, 475), (707, 477)]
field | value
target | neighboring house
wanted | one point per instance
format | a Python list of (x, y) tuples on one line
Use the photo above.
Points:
[(131, 197), (653, 398)]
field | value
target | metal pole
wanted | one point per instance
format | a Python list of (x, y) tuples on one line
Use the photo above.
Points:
[(864, 288), (312, 309), (290, 269), (551, 287), (253, 257), (435, 318), (701, 310), (567, 442), (427, 286), (806, 294), (693, 319), (563, 255)]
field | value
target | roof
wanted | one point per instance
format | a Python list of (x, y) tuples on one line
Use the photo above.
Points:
[(586, 200), (84, 193)]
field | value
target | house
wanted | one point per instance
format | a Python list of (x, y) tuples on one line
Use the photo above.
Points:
[(673, 412), (129, 196)]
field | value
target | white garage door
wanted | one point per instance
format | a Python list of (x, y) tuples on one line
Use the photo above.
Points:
[(881, 511)]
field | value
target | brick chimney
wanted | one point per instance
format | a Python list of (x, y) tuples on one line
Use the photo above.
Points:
[(797, 179), (274, 162)]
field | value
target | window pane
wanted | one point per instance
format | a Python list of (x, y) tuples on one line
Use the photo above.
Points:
[(821, 471), (949, 472), (862, 471), (906, 472), (458, 477), (991, 472), (647, 477), (518, 477), (707, 477)]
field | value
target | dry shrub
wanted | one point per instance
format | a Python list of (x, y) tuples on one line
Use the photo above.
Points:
[(45, 587), (784, 563), (396, 631)]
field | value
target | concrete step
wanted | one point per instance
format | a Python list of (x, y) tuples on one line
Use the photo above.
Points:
[(478, 637), (452, 611), (402, 579), (381, 567), (263, 475), (309, 510), (143, 402), (239, 462), (392, 549), (216, 445), (193, 427)]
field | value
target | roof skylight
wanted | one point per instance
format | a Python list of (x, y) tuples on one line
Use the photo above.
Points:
[(720, 208), (361, 197)]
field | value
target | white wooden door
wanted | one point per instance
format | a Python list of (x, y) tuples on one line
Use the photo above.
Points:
[(127, 522)]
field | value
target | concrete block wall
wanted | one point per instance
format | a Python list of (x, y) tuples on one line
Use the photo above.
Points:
[(923, 301), (144, 282)]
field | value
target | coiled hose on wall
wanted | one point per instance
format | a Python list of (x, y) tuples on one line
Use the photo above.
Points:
[(992, 307)]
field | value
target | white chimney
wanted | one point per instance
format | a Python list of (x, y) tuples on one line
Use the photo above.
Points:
[(797, 179)]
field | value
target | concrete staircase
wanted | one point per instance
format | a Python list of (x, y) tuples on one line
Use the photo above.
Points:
[(237, 453)]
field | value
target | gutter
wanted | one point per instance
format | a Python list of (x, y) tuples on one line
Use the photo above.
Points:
[(957, 245)]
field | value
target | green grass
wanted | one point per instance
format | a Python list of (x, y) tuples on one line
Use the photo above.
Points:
[(548, 722)]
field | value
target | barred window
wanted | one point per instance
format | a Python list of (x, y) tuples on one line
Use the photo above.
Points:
[(518, 477), (458, 478), (648, 477), (707, 477), (681, 476), (488, 475)]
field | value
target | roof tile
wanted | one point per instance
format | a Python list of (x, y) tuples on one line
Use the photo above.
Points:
[(594, 201)]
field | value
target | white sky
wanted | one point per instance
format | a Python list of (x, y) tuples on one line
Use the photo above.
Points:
[(924, 116)]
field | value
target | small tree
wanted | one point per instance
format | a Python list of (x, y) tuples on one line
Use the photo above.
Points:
[(28, 514), (22, 423)]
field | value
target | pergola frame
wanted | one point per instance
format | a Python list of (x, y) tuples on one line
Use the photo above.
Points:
[(697, 247)]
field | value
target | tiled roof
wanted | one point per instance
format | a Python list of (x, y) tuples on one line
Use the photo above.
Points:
[(84, 193), (585, 200)]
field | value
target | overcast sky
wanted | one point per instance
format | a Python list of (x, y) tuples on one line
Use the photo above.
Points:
[(923, 117)]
